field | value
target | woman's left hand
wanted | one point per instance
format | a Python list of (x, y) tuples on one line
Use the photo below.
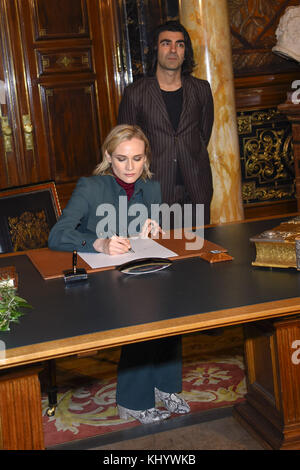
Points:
[(150, 227)]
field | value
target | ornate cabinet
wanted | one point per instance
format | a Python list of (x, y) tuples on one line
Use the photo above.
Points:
[(59, 66)]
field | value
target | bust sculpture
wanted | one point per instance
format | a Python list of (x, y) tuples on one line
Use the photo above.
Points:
[(288, 34)]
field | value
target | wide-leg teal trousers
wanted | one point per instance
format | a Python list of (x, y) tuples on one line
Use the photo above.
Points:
[(144, 366)]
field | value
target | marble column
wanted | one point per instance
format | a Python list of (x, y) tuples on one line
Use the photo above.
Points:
[(207, 22)]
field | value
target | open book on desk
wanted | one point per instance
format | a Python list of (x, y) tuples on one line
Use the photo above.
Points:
[(143, 248)]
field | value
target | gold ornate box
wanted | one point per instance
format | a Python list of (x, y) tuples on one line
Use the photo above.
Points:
[(276, 247)]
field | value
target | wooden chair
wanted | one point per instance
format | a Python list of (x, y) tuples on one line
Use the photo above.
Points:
[(27, 214)]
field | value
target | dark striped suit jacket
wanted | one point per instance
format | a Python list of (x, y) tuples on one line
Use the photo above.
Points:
[(143, 104)]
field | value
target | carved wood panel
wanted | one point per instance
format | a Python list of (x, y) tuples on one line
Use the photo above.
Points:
[(67, 61), (70, 134), (20, 411), (60, 19), (253, 26), (271, 411)]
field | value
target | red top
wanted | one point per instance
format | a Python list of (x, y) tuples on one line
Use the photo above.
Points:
[(129, 187)]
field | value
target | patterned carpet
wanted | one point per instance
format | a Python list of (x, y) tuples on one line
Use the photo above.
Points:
[(213, 376)]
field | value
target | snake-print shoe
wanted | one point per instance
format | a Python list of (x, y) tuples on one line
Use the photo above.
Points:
[(152, 415), (172, 402)]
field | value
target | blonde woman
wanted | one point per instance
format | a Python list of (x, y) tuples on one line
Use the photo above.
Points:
[(149, 371), (123, 171)]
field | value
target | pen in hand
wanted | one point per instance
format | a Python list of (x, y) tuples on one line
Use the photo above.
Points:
[(130, 250)]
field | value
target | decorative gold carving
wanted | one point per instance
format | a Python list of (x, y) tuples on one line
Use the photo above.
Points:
[(266, 156), (287, 144), (29, 230), (248, 191), (263, 117), (42, 32), (88, 90), (258, 151), (251, 192), (65, 61), (28, 128), (49, 92), (244, 124)]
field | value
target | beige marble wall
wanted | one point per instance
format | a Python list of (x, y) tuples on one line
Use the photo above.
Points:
[(208, 25)]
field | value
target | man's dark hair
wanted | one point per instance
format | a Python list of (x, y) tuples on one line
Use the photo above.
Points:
[(188, 63)]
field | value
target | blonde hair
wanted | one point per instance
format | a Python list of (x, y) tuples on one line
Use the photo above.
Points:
[(117, 135)]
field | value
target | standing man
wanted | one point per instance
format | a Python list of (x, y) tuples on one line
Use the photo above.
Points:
[(176, 112)]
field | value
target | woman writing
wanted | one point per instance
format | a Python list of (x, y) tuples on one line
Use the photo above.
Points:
[(149, 371)]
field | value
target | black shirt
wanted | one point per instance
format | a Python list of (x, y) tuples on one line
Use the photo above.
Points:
[(173, 101)]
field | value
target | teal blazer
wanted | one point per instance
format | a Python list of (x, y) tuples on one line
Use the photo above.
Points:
[(77, 228)]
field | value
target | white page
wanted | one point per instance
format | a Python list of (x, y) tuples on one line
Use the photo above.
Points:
[(143, 248)]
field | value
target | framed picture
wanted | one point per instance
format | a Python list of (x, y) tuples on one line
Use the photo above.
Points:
[(27, 214)]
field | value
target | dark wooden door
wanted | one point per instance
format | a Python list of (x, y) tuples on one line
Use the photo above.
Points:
[(59, 63)]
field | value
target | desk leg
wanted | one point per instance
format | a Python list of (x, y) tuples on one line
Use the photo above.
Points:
[(272, 409), (21, 426)]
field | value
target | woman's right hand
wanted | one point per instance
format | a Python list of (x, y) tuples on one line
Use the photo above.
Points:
[(112, 246)]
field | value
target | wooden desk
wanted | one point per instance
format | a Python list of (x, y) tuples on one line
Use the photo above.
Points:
[(113, 309)]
